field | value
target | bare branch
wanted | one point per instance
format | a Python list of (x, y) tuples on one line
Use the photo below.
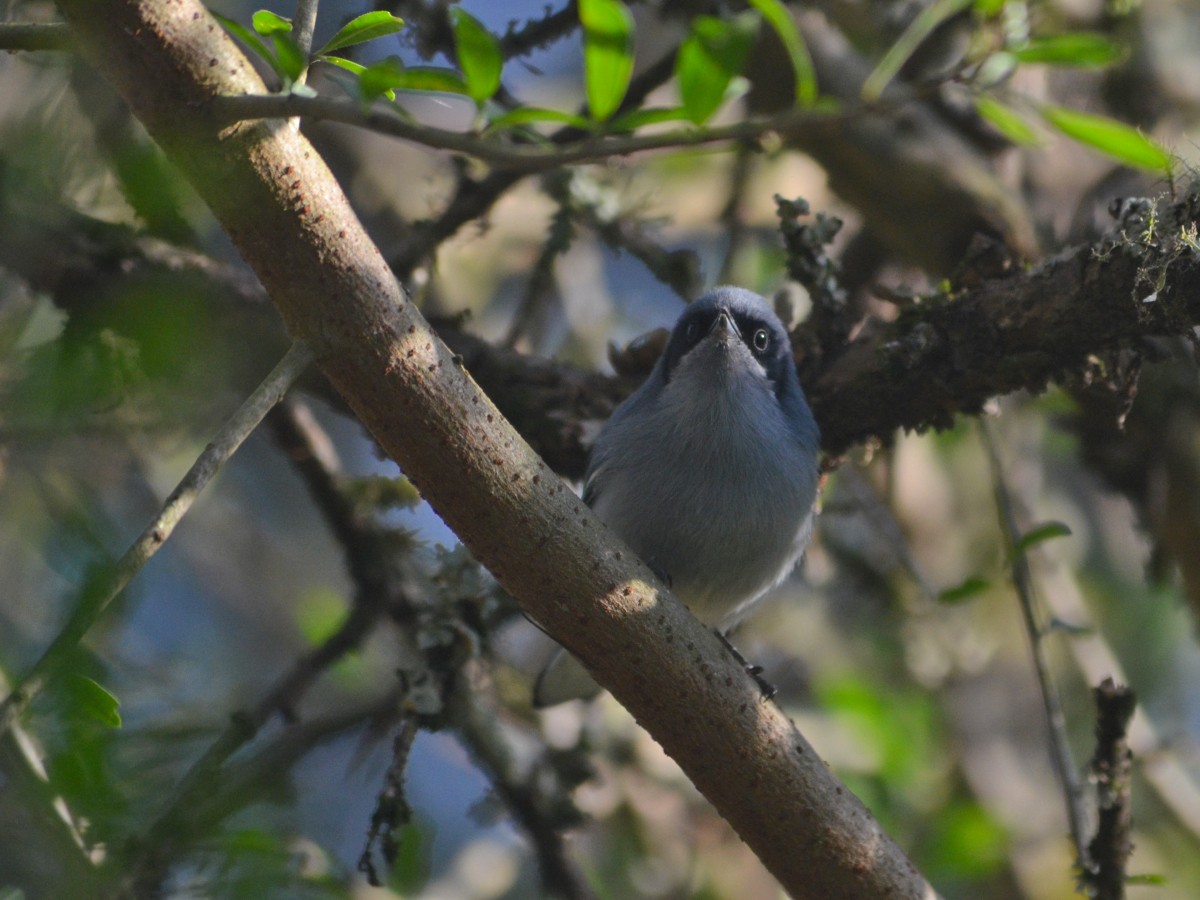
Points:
[(522, 158), (1031, 615)]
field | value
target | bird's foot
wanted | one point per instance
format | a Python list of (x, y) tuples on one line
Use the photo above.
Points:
[(755, 672)]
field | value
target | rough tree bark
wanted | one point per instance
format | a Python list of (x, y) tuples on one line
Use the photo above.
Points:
[(291, 222)]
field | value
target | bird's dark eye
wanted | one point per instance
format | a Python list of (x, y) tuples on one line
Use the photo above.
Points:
[(762, 340), (691, 331)]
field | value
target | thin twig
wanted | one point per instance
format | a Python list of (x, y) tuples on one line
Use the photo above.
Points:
[(527, 158), (1056, 724), (541, 276), (98, 596), (473, 198), (1160, 763)]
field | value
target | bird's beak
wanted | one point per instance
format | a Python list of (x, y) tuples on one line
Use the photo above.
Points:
[(724, 326)]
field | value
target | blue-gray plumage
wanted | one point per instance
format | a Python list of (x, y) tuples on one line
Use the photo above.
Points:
[(709, 470)]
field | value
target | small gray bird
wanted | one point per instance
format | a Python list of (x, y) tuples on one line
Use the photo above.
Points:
[(709, 470)]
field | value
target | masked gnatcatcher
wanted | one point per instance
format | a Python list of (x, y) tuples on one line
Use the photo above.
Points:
[(709, 470)]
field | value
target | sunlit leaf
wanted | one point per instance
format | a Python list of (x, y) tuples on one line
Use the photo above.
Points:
[(342, 63), (784, 25), (1083, 49), (267, 23), (906, 45), (1109, 136), (1006, 120), (710, 56), (607, 54), (1044, 532), (968, 590), (366, 27), (479, 55)]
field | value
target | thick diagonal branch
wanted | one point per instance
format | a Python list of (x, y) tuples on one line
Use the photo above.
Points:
[(293, 225)]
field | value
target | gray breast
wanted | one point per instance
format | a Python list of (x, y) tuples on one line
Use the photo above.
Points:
[(716, 505)]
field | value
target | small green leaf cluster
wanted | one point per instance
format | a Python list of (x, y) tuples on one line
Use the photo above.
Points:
[(709, 69), (1002, 41)]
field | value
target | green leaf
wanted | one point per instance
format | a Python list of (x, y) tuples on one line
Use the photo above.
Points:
[(290, 59), (1117, 139), (92, 700), (709, 58), (985, 9), (267, 23), (1036, 535), (342, 63), (1006, 120), (432, 78), (1147, 879), (966, 843), (411, 867), (906, 45), (637, 118), (532, 115), (320, 612), (968, 590), (479, 56), (363, 28), (390, 75), (1083, 49), (784, 25), (607, 54), (381, 79), (249, 38)]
